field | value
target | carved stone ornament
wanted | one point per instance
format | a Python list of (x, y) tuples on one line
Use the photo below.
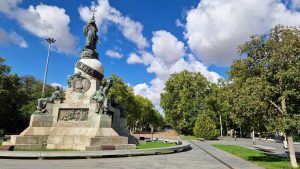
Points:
[(73, 114), (88, 70), (80, 84)]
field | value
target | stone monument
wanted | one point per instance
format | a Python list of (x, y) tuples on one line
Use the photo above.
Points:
[(86, 119)]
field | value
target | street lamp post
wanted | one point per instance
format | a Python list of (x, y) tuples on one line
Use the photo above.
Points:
[(50, 41)]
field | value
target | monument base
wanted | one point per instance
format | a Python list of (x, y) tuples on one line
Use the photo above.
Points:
[(62, 130)]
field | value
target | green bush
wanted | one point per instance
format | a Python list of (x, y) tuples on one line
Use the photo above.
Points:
[(205, 128)]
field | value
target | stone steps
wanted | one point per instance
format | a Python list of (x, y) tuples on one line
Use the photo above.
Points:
[(111, 147), (20, 140), (30, 146), (97, 141), (68, 141)]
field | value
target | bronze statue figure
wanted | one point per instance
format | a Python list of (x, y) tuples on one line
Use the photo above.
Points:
[(90, 32), (100, 96)]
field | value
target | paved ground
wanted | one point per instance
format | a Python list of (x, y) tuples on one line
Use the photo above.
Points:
[(195, 158)]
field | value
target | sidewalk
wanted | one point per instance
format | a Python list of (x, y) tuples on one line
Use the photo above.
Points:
[(227, 158)]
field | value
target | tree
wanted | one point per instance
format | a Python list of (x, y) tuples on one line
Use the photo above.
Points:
[(139, 110), (18, 97), (124, 95), (217, 104), (183, 99), (268, 78), (205, 128), (148, 115)]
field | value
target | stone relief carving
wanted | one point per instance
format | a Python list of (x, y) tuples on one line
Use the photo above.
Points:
[(73, 114), (79, 83)]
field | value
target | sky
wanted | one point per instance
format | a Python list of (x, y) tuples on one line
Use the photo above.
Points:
[(141, 41)]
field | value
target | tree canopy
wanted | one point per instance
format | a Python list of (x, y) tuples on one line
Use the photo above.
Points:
[(18, 97), (183, 99)]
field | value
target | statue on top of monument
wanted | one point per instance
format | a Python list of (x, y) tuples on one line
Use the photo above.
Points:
[(90, 32)]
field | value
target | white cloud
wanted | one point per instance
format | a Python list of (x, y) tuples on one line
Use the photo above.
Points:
[(6, 6), (296, 4), (12, 37), (134, 58), (215, 28), (167, 58), (163, 72), (167, 47), (132, 30), (59, 85), (43, 21), (145, 58), (113, 54)]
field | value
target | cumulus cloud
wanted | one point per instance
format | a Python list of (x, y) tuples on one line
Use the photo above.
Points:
[(43, 21), (146, 58), (163, 72), (132, 30), (6, 6), (134, 59), (113, 54), (214, 29), (167, 47), (12, 37), (167, 57)]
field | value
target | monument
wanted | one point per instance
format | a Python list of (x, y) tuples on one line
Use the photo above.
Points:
[(86, 119)]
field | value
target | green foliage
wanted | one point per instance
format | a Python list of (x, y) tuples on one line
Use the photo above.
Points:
[(148, 115), (260, 158), (205, 128), (188, 137), (154, 144), (183, 99), (18, 97), (265, 84), (124, 95), (217, 104), (140, 112), (45, 150)]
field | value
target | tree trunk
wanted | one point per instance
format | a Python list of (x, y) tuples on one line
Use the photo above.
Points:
[(226, 127), (292, 152), (221, 127), (253, 137), (293, 159), (241, 135)]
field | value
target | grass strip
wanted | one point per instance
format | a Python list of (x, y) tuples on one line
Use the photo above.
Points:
[(46, 150), (188, 137), (155, 144), (266, 160)]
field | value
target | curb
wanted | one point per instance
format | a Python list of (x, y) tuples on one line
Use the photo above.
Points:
[(95, 154)]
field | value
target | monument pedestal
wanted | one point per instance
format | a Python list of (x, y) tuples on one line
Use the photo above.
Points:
[(76, 123), (66, 128)]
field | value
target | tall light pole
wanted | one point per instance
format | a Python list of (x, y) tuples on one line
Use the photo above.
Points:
[(50, 41)]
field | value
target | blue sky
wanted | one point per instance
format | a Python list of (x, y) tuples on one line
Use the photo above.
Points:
[(142, 41)]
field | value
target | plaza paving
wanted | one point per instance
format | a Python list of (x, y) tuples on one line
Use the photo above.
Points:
[(195, 158)]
